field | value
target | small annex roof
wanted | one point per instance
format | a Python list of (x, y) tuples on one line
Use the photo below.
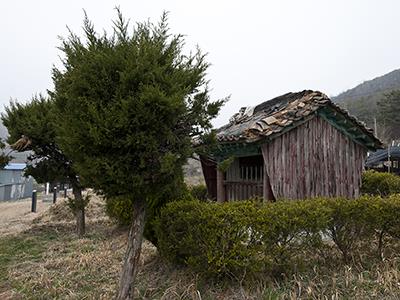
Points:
[(281, 114), (15, 166), (382, 155)]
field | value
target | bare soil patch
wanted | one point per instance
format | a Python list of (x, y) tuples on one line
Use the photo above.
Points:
[(16, 216)]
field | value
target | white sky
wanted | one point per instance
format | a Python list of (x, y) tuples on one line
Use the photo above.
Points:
[(258, 49)]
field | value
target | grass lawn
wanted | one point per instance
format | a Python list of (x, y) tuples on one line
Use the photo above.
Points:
[(48, 261)]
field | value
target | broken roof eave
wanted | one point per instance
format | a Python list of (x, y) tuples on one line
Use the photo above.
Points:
[(350, 126), (277, 116), (251, 146), (246, 147)]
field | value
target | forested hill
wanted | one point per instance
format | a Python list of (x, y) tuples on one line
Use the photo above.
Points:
[(387, 82), (361, 100)]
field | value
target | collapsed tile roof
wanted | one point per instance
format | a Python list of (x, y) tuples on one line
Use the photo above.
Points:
[(271, 118)]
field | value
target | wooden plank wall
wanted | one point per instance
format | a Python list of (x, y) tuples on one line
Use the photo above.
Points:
[(210, 176), (314, 159), (243, 182)]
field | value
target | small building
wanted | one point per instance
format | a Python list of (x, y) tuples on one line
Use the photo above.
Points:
[(296, 146), (13, 184), (385, 160)]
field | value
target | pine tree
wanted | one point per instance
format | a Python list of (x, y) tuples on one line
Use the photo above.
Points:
[(32, 126), (129, 106)]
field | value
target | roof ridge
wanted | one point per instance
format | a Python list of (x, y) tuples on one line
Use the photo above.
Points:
[(276, 115)]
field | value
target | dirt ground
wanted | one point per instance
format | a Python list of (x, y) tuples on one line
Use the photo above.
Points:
[(16, 216)]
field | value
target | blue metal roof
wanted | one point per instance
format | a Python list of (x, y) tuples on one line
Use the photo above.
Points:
[(15, 166), (382, 155)]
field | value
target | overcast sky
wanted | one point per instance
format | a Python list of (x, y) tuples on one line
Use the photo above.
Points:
[(258, 49)]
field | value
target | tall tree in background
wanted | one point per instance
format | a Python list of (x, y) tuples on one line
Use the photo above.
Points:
[(130, 106), (5, 155), (32, 127), (389, 114), (364, 108)]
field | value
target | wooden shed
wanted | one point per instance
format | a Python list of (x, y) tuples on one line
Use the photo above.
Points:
[(296, 146)]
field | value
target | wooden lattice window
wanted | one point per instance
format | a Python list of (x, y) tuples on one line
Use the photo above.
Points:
[(251, 168)]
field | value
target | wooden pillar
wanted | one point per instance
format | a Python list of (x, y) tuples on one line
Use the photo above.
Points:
[(268, 195), (220, 186)]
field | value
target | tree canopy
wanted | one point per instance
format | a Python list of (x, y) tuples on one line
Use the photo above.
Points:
[(33, 126), (34, 123), (129, 105)]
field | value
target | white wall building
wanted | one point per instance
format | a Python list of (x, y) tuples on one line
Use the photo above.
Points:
[(13, 184)]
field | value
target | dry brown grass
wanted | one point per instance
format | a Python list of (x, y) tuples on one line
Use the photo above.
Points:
[(48, 261)]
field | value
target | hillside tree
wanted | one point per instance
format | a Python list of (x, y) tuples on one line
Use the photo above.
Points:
[(32, 126), (389, 114), (131, 103)]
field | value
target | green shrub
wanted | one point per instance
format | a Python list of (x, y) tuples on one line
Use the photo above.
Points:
[(120, 209), (381, 217), (378, 183), (199, 192), (235, 239), (287, 228), (212, 239), (347, 224)]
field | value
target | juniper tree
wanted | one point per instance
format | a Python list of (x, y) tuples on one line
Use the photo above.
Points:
[(32, 126), (131, 103)]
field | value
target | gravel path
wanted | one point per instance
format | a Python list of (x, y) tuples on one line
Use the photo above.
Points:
[(16, 216)]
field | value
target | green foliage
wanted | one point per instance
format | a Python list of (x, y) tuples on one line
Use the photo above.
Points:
[(36, 121), (379, 183), (363, 101), (119, 209), (212, 239), (364, 108), (389, 114), (225, 164), (245, 238), (5, 157), (199, 192), (236, 238), (34, 125), (75, 205), (129, 105), (346, 224)]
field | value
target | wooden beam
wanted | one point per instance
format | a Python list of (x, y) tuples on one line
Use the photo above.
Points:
[(361, 136), (220, 186), (268, 195)]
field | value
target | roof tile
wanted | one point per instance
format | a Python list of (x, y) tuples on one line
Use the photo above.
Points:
[(273, 116)]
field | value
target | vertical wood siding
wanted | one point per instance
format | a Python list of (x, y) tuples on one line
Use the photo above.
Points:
[(314, 159), (210, 176)]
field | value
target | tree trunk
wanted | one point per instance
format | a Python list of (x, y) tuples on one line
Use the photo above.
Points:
[(131, 261), (380, 244), (79, 211)]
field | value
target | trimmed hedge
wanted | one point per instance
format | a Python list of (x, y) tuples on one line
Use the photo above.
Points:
[(378, 183), (247, 238), (199, 192), (120, 208)]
